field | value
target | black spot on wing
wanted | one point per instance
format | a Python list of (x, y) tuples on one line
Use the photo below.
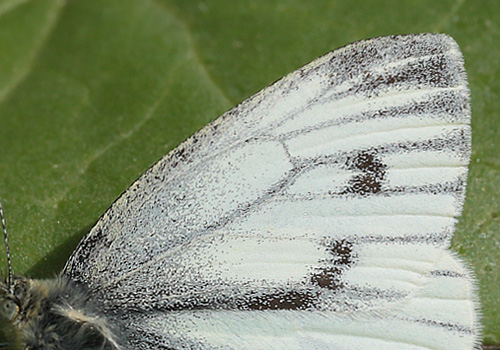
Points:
[(340, 259), (372, 173)]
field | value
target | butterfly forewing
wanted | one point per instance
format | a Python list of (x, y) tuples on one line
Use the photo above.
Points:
[(314, 215)]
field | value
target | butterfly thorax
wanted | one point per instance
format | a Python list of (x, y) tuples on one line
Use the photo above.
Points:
[(56, 315)]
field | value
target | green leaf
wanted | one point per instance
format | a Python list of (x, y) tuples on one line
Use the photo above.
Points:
[(92, 93)]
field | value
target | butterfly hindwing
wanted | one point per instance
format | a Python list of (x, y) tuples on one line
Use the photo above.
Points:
[(314, 215)]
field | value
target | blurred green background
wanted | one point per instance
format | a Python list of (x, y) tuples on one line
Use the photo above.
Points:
[(92, 93)]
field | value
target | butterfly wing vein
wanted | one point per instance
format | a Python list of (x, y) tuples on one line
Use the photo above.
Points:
[(317, 214)]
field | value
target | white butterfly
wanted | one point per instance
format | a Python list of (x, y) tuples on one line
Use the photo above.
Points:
[(317, 214)]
